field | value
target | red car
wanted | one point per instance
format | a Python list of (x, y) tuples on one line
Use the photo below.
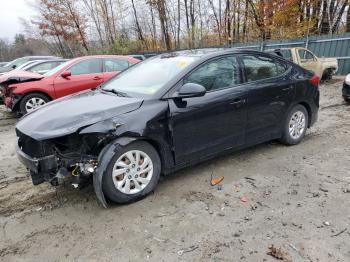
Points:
[(23, 92)]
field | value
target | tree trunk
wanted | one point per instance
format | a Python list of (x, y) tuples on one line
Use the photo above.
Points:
[(228, 22), (216, 19), (238, 21), (178, 24), (187, 24), (324, 29), (340, 15), (163, 23), (316, 14), (348, 20), (244, 30), (138, 28), (193, 23)]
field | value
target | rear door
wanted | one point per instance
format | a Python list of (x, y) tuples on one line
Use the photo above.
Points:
[(113, 66), (271, 91), (205, 125), (86, 74)]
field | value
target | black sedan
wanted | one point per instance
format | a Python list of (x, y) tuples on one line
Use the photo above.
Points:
[(166, 113), (346, 89)]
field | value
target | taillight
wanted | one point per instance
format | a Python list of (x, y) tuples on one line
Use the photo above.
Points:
[(314, 80)]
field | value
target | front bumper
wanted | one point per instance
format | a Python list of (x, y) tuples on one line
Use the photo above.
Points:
[(40, 168), (346, 91)]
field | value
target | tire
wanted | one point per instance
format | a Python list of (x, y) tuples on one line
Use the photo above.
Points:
[(298, 113), (327, 75), (110, 180), (36, 98)]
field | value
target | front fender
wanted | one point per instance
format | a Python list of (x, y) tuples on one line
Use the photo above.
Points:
[(104, 158)]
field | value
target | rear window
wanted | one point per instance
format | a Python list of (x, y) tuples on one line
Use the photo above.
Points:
[(115, 65), (91, 66), (261, 67)]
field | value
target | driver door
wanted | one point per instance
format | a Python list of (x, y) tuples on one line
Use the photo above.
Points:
[(202, 126), (86, 74)]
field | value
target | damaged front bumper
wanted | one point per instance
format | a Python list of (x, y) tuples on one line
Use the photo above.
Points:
[(40, 168), (47, 165)]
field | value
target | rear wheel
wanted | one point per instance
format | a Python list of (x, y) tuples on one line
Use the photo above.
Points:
[(32, 101), (295, 125), (132, 173), (327, 74)]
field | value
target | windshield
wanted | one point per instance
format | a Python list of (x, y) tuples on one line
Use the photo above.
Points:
[(56, 69), (150, 76), (17, 62)]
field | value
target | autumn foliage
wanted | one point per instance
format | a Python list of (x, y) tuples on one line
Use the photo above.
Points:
[(122, 26)]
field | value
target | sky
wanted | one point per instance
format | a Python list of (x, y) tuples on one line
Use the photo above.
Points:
[(10, 12)]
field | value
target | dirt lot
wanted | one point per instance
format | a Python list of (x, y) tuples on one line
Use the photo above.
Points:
[(297, 199)]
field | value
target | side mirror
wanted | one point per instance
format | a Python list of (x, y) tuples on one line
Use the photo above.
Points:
[(14, 67), (191, 90), (66, 74)]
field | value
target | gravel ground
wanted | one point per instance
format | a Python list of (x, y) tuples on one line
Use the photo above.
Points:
[(294, 198)]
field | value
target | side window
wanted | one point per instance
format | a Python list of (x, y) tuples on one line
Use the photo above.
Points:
[(286, 53), (306, 55), (217, 74), (91, 66), (260, 67), (113, 65), (44, 67)]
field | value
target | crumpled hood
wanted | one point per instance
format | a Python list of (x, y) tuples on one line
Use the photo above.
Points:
[(17, 76), (66, 115)]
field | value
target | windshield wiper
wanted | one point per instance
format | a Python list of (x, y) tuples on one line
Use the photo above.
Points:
[(118, 93)]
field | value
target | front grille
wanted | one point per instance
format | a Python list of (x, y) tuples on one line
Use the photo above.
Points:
[(32, 147)]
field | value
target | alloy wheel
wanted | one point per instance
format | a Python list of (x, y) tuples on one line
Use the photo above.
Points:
[(34, 103), (297, 125), (132, 172)]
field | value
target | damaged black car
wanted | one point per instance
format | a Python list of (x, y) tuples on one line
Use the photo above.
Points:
[(166, 113)]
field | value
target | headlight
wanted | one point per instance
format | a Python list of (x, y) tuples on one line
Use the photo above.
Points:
[(347, 79)]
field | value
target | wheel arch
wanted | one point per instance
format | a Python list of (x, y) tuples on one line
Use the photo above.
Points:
[(17, 104), (107, 154), (309, 112)]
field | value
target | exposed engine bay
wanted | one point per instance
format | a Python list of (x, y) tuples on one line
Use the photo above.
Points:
[(56, 161)]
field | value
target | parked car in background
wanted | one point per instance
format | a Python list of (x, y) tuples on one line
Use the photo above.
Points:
[(41, 66), (324, 68), (166, 113), (25, 91), (3, 63), (19, 61), (346, 89), (139, 57)]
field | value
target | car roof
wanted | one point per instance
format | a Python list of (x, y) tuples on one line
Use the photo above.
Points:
[(124, 57), (210, 52)]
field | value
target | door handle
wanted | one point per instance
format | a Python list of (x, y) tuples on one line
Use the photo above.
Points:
[(97, 78), (238, 102)]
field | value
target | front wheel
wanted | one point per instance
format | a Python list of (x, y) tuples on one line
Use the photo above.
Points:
[(132, 173), (32, 101), (295, 125)]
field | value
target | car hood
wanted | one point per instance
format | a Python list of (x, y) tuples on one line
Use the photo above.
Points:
[(66, 115), (17, 76)]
